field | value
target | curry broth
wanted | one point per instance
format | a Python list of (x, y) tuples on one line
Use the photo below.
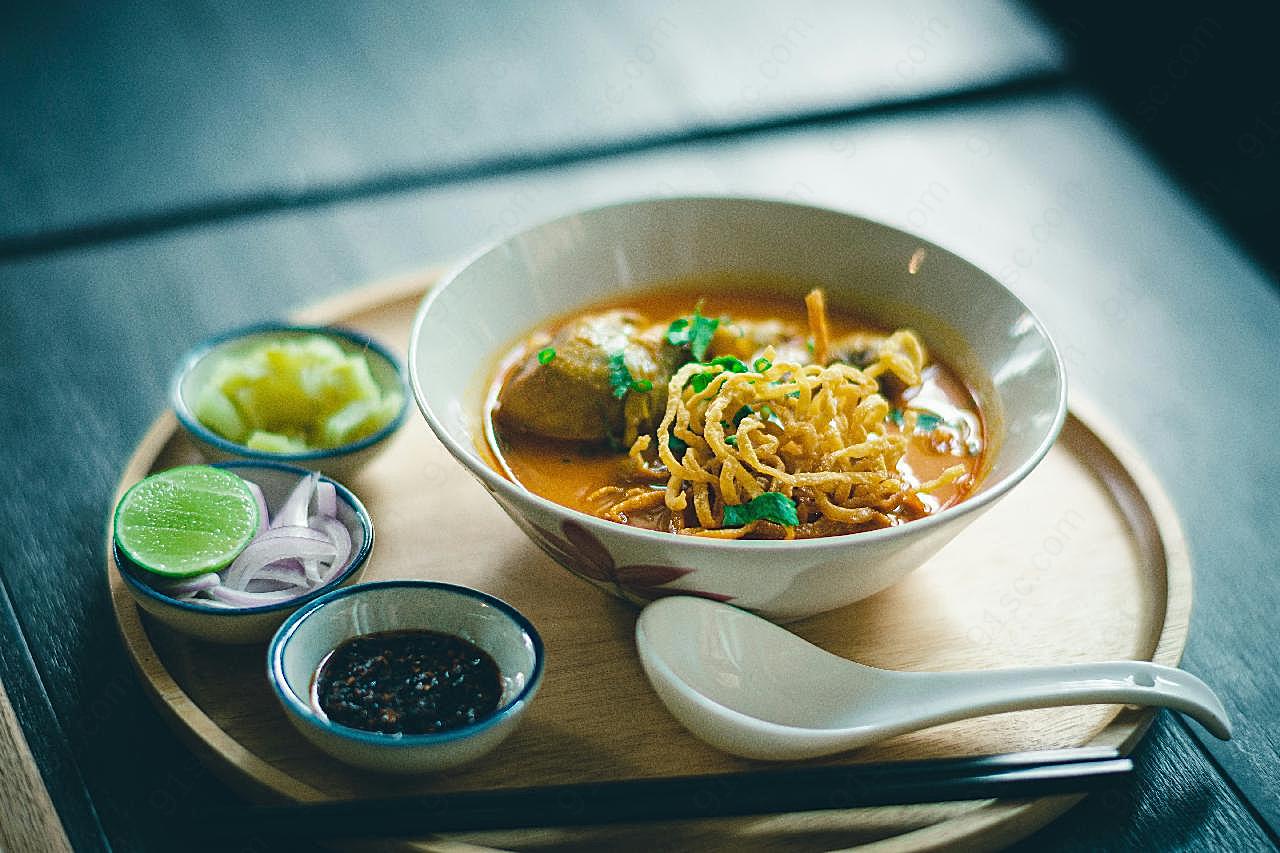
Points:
[(567, 472)]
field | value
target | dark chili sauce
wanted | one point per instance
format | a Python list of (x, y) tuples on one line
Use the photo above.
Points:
[(407, 682)]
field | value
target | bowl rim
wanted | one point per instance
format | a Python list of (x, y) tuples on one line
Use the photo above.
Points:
[(301, 709), (498, 483), (128, 568), (207, 347)]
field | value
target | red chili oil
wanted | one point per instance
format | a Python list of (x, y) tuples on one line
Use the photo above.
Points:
[(407, 682)]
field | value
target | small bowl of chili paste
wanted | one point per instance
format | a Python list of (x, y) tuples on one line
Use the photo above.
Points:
[(405, 676)]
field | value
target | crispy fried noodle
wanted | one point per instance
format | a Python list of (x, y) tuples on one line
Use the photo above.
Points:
[(810, 432)]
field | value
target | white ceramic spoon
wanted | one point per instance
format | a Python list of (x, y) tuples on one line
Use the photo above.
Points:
[(748, 687)]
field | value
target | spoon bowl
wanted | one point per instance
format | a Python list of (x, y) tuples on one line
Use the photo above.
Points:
[(750, 688)]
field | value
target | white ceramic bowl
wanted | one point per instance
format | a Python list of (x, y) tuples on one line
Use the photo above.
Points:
[(966, 317), (232, 625), (342, 462), (308, 636)]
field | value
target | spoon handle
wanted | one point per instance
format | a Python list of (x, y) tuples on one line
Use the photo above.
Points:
[(958, 695)]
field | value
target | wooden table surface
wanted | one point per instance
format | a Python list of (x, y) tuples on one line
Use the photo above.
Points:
[(169, 170)]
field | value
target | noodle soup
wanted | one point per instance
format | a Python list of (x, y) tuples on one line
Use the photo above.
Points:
[(733, 415)]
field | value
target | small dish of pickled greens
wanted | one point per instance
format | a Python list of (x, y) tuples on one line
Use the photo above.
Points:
[(319, 395)]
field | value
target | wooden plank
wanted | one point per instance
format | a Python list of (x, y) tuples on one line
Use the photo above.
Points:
[(1155, 813), (1140, 291), (154, 107), (28, 820), (43, 802)]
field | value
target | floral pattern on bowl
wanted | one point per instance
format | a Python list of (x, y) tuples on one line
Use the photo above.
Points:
[(582, 553)]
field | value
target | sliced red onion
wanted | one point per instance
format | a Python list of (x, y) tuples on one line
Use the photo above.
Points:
[(270, 585), (304, 544), (264, 517), (326, 499), (289, 571), (240, 598), (203, 600), (338, 534), (294, 510), (190, 586), (300, 531), (290, 555)]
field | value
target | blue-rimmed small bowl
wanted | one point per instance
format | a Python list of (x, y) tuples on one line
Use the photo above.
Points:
[(241, 625), (197, 367), (309, 635)]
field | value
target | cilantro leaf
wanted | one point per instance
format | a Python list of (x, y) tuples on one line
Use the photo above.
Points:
[(730, 364), (695, 333), (770, 506), (700, 381), (621, 380), (547, 355), (678, 332), (619, 376), (928, 421)]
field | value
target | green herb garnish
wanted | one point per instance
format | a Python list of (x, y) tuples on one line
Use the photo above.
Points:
[(547, 355), (740, 414), (699, 381), (760, 365), (770, 415), (730, 364), (731, 440), (770, 506), (677, 446), (619, 377), (695, 332), (895, 415), (621, 380), (928, 421)]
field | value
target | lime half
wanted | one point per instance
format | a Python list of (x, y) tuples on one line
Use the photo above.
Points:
[(186, 521)]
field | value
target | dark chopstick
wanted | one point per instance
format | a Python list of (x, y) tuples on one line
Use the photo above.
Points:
[(1017, 775)]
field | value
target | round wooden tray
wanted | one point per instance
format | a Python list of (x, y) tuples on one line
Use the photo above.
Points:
[(1084, 562)]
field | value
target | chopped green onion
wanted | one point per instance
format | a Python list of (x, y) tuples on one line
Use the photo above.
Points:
[(547, 355), (677, 446), (770, 415), (731, 440), (740, 414), (770, 506), (895, 415), (760, 365), (642, 386)]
